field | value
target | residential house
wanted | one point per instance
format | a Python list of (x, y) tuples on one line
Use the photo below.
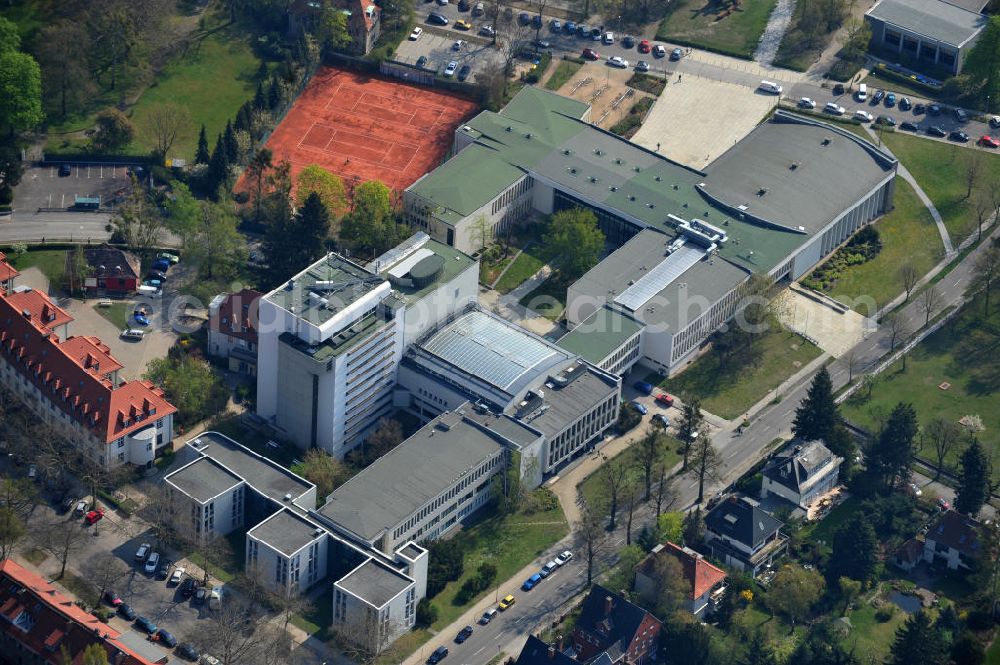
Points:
[(232, 330), (909, 554), (8, 274), (364, 20), (537, 652), (615, 629), (39, 625), (104, 270), (702, 579), (953, 539), (801, 473), (743, 535)]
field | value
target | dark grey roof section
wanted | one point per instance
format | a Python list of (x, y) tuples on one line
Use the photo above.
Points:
[(743, 520), (537, 652), (203, 479), (259, 472), (375, 583), (515, 433), (946, 22), (412, 550), (795, 172), (585, 388), (972, 5), (142, 646), (286, 532), (409, 476), (800, 465)]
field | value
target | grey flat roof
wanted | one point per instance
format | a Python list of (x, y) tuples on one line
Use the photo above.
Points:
[(941, 21), (795, 172), (568, 403), (142, 646), (259, 472), (374, 582), (203, 479), (286, 532), (504, 426), (335, 279), (485, 346), (600, 335), (409, 476)]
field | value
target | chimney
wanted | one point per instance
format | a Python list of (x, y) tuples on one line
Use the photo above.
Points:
[(560, 642), (608, 604), (552, 653)]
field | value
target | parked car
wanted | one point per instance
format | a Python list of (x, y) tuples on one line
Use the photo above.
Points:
[(164, 637), (834, 108), (548, 569), (890, 99), (531, 582), (164, 570), (564, 557), (988, 142), (177, 576), (145, 625), (112, 598), (663, 399), (877, 97), (596, 34), (642, 66), (639, 406), (555, 25), (582, 30), (934, 130), (643, 387), (943, 505), (608, 38), (863, 116), (140, 318), (644, 46), (915, 489), (961, 137), (464, 72), (905, 104), (439, 654), (908, 126), (506, 602), (536, 21), (569, 27), (172, 258), (143, 552), (960, 115), (126, 612), (659, 51), (463, 5), (590, 54), (995, 121), (94, 516), (81, 508), (838, 88), (459, 45), (618, 61), (662, 420), (449, 71), (421, 61), (201, 595), (161, 265), (676, 54), (415, 35), (65, 170), (188, 587), (32, 471), (462, 24), (628, 41), (486, 31), (155, 274), (934, 109), (886, 120), (524, 18), (807, 103), (152, 562), (488, 616), (67, 504), (188, 651), (919, 109), (437, 19), (463, 635)]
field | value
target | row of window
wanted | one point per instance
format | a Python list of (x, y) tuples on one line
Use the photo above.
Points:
[(572, 438), (505, 199), (623, 357)]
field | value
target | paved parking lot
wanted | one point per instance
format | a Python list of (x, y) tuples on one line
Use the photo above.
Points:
[(43, 187), (696, 119), (438, 48)]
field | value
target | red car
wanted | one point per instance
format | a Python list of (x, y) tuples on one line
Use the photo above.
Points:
[(663, 399), (112, 598), (989, 142), (644, 46), (93, 516), (590, 54)]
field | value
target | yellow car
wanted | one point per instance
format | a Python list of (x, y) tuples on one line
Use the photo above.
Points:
[(463, 25), (507, 601)]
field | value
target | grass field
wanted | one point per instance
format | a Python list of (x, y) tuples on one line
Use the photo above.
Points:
[(940, 168), (528, 262), (564, 72), (962, 353), (593, 487), (549, 299), (118, 314), (697, 23), (509, 543), (212, 80), (727, 389), (993, 653), (909, 235), (870, 638), (52, 263)]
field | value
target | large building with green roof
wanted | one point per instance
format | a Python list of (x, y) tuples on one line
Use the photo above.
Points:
[(775, 203)]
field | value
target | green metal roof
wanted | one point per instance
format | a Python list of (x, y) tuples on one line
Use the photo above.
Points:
[(600, 335)]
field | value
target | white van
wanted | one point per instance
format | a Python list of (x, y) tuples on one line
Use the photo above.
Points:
[(150, 291), (215, 598), (133, 333), (771, 87), (862, 93)]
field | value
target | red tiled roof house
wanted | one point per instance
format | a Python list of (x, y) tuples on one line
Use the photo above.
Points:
[(701, 578)]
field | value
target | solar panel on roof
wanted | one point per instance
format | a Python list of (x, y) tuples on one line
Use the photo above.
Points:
[(657, 279)]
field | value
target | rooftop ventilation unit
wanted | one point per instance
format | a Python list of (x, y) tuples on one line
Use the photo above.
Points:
[(827, 140), (509, 128), (762, 191), (593, 179), (793, 166), (658, 178), (567, 152), (613, 188)]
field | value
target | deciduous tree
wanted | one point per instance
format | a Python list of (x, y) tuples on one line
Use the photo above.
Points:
[(589, 533), (985, 274), (650, 453), (20, 85), (574, 237), (12, 531), (137, 222), (114, 130), (62, 539), (64, 57), (706, 461), (329, 187), (166, 122), (793, 591), (943, 435), (929, 301), (908, 277), (690, 424), (614, 475)]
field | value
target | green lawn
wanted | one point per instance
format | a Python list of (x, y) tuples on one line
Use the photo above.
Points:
[(822, 530), (593, 488), (549, 299), (118, 314), (908, 235), (699, 23), (962, 353), (869, 638), (729, 390), (993, 653), (509, 543), (780, 636), (563, 73), (52, 263), (212, 80), (940, 169), (528, 262)]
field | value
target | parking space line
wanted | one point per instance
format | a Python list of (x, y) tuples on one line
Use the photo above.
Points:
[(88, 170), (102, 171)]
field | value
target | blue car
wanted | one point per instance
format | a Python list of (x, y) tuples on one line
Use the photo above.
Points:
[(531, 582), (141, 319), (638, 406), (643, 387), (569, 27), (161, 265), (166, 638), (146, 625)]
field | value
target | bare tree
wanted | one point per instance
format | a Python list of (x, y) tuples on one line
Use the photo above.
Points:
[(664, 498), (160, 513), (650, 453), (138, 222), (630, 497), (512, 37), (105, 571), (367, 637), (943, 435), (852, 358), (589, 533), (985, 275), (614, 474), (62, 539), (20, 495), (231, 632), (908, 276), (929, 301), (216, 551), (167, 122), (705, 461), (538, 27), (897, 327), (984, 208), (973, 169)]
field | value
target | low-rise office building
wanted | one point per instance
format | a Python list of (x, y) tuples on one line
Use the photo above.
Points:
[(331, 338), (926, 34)]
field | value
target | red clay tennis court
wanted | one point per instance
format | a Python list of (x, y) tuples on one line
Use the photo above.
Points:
[(365, 128)]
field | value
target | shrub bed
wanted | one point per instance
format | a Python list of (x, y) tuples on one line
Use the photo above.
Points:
[(863, 247)]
